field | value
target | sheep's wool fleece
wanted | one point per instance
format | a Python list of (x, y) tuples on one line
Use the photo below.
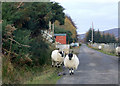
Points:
[(56, 56), (118, 49), (73, 63)]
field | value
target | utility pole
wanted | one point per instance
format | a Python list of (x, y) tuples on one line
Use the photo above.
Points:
[(53, 27), (92, 32)]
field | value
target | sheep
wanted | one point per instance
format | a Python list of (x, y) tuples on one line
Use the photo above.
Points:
[(57, 57), (118, 50), (100, 47), (71, 62)]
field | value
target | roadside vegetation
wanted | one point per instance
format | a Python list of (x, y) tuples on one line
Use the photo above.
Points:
[(102, 51), (101, 38), (47, 75), (26, 53)]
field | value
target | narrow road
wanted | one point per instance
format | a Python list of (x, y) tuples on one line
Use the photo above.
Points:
[(95, 68)]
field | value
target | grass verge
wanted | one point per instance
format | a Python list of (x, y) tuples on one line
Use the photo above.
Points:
[(47, 76), (29, 75)]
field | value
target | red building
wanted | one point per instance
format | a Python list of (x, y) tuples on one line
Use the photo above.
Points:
[(61, 38)]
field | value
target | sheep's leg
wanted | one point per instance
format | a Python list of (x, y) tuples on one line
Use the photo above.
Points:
[(53, 63), (72, 71), (59, 64), (56, 64)]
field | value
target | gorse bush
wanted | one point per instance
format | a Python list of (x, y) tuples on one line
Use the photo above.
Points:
[(22, 25), (40, 51), (23, 44)]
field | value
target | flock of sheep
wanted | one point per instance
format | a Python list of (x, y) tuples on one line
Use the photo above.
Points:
[(69, 60)]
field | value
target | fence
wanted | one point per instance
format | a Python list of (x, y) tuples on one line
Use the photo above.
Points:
[(106, 47)]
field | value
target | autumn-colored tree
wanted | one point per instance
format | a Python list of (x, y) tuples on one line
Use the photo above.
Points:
[(69, 25)]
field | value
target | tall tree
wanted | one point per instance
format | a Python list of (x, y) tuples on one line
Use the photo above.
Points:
[(98, 36), (103, 38), (88, 35)]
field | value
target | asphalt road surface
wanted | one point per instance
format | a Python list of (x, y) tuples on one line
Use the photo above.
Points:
[(94, 68)]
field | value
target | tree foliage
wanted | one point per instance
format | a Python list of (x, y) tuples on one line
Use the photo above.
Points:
[(69, 38), (23, 43), (100, 37), (22, 25), (69, 25)]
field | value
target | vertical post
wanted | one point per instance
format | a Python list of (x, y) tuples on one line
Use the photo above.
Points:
[(49, 26), (92, 32)]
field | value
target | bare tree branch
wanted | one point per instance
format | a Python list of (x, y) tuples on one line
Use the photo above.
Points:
[(18, 43)]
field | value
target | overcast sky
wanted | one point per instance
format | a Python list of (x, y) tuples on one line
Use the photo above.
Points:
[(103, 13)]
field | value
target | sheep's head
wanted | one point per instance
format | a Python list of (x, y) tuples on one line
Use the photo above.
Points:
[(61, 53), (70, 55)]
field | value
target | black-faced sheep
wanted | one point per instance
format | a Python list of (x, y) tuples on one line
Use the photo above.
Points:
[(57, 57), (71, 62)]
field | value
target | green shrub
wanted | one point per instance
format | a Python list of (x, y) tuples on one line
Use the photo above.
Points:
[(40, 51)]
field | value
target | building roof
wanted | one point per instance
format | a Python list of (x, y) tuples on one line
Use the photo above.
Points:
[(59, 34)]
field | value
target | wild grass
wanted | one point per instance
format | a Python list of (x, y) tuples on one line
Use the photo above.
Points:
[(47, 76), (17, 74), (29, 75)]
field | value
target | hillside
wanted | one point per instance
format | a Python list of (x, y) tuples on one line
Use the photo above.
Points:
[(111, 31)]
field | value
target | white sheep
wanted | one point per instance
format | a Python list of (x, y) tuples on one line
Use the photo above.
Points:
[(57, 57), (71, 62), (118, 50), (100, 47)]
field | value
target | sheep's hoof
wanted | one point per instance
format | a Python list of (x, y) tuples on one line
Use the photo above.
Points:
[(52, 66), (70, 73), (58, 66), (55, 66), (64, 73)]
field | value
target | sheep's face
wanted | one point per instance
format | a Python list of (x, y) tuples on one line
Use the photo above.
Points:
[(70, 55), (61, 53)]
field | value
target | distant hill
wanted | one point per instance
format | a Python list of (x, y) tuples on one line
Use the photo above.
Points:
[(111, 31)]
